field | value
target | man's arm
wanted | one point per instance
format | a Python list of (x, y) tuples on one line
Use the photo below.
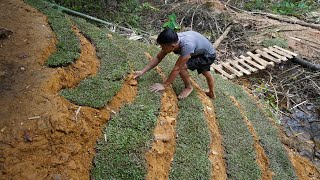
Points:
[(181, 62), (155, 61)]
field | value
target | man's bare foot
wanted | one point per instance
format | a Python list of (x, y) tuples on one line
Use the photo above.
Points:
[(211, 94), (185, 92)]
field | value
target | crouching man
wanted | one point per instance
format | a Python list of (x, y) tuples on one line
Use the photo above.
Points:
[(195, 53)]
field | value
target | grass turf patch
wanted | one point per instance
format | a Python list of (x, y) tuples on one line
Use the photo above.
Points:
[(129, 133), (192, 149), (279, 161), (129, 136), (68, 46), (118, 57), (193, 136), (238, 142)]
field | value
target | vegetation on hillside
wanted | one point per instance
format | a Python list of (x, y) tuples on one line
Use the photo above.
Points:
[(284, 7), (68, 45)]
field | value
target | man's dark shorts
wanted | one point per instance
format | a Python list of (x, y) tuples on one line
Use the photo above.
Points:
[(201, 63)]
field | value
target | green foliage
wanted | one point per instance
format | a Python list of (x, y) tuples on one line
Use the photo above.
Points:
[(294, 8), (68, 46), (275, 41), (172, 23), (286, 7), (124, 12)]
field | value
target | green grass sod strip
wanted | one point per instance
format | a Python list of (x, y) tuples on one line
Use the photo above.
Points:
[(238, 142), (193, 137), (279, 161), (129, 135), (68, 47), (118, 56), (192, 147), (240, 152)]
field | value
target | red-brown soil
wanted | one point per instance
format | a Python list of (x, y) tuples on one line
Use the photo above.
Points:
[(42, 136)]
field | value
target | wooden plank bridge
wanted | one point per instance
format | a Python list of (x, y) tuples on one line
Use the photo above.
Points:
[(246, 65)]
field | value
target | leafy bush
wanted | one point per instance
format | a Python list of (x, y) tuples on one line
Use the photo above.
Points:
[(172, 23)]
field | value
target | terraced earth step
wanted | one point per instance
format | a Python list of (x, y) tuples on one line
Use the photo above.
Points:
[(259, 60)]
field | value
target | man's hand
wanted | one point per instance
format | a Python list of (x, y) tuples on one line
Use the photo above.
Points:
[(137, 74), (157, 87)]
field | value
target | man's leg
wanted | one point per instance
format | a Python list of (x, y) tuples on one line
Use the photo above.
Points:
[(210, 81), (184, 74)]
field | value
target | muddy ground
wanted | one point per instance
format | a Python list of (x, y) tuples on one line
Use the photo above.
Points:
[(41, 135)]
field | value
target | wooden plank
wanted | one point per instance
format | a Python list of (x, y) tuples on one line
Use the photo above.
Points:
[(248, 59), (212, 69), (284, 50), (227, 66), (219, 69), (259, 60), (283, 58), (266, 55), (281, 52), (241, 61), (236, 65)]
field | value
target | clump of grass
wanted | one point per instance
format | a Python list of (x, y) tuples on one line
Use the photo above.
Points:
[(275, 41), (279, 161), (68, 46)]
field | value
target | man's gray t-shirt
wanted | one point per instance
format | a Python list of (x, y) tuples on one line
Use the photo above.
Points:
[(194, 43)]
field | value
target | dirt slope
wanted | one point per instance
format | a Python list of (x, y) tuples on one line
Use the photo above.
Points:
[(40, 136)]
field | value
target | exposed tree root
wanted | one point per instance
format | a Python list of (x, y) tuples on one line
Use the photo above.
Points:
[(159, 158), (216, 156), (262, 158)]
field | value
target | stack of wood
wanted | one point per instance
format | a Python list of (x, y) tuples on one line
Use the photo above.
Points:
[(257, 60)]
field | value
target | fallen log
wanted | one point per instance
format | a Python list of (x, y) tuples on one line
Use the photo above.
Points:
[(224, 35), (305, 63)]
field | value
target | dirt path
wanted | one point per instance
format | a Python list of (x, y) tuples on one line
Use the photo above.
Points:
[(41, 136)]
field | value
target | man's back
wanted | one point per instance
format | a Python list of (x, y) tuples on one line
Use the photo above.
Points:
[(194, 43)]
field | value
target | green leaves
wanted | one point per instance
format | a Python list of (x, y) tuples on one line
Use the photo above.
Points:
[(285, 7), (171, 23)]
